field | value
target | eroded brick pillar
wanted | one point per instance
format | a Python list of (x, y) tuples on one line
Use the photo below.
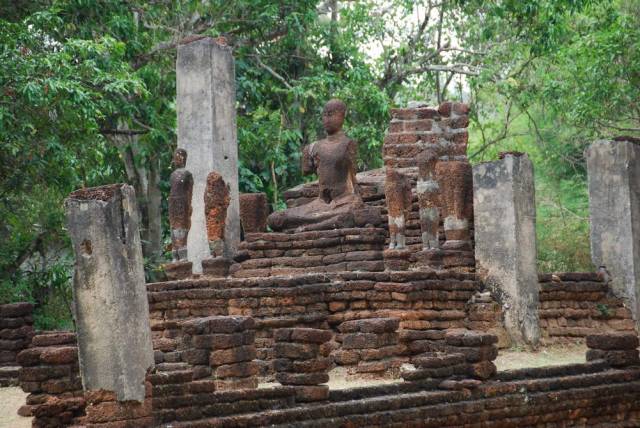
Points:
[(505, 241), (109, 293)]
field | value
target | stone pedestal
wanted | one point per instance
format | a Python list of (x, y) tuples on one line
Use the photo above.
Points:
[(205, 80), (614, 205), (505, 239), (110, 298)]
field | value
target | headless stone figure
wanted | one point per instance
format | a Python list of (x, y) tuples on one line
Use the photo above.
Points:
[(397, 192), (456, 183), (180, 205), (428, 201), (339, 203), (216, 202)]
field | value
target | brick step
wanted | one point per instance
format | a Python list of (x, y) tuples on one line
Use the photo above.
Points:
[(607, 386)]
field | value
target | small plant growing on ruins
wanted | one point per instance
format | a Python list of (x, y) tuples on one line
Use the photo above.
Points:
[(605, 311)]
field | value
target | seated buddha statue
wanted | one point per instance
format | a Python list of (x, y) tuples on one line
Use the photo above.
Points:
[(339, 203)]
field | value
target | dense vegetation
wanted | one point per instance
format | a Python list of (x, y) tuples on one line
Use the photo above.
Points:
[(87, 97)]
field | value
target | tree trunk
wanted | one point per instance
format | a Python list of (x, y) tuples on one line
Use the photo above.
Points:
[(155, 208)]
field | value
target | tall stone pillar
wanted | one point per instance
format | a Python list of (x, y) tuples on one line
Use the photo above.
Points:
[(614, 205), (109, 293), (206, 98), (505, 238)]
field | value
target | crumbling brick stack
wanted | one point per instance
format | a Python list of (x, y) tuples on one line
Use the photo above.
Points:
[(223, 348), (435, 366), (103, 410), (273, 302), (50, 374), (413, 129), (421, 300), (254, 209), (302, 360), (177, 400), (16, 331), (577, 304), (479, 350), (354, 249), (369, 345), (484, 314), (617, 348)]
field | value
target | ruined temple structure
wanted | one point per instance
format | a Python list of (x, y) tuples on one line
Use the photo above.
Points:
[(412, 335)]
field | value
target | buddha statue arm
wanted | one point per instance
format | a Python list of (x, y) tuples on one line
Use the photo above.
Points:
[(308, 163)]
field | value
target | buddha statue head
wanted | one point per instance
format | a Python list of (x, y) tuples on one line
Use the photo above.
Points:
[(333, 116), (179, 158)]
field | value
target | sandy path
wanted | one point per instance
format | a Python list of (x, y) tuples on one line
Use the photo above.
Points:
[(10, 400), (556, 355)]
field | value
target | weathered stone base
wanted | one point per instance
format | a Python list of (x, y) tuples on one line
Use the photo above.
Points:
[(178, 270), (216, 267)]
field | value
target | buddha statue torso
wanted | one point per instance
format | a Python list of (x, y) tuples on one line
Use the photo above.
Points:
[(334, 160), (338, 203)]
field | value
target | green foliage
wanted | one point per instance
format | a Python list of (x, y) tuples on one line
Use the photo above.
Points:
[(87, 97)]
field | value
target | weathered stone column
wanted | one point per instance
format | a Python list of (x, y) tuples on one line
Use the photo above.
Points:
[(206, 98), (505, 238), (109, 294), (614, 205)]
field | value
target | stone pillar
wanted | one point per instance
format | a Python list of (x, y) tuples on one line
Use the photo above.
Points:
[(505, 239), (109, 293), (206, 98), (614, 204)]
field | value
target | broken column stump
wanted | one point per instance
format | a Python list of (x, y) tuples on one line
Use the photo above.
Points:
[(505, 241), (254, 210), (302, 360), (223, 348), (206, 99), (110, 298), (614, 214)]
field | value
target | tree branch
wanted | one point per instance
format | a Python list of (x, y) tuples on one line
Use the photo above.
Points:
[(123, 131), (272, 72)]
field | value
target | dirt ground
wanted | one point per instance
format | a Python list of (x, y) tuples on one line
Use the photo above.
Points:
[(12, 398), (556, 355)]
